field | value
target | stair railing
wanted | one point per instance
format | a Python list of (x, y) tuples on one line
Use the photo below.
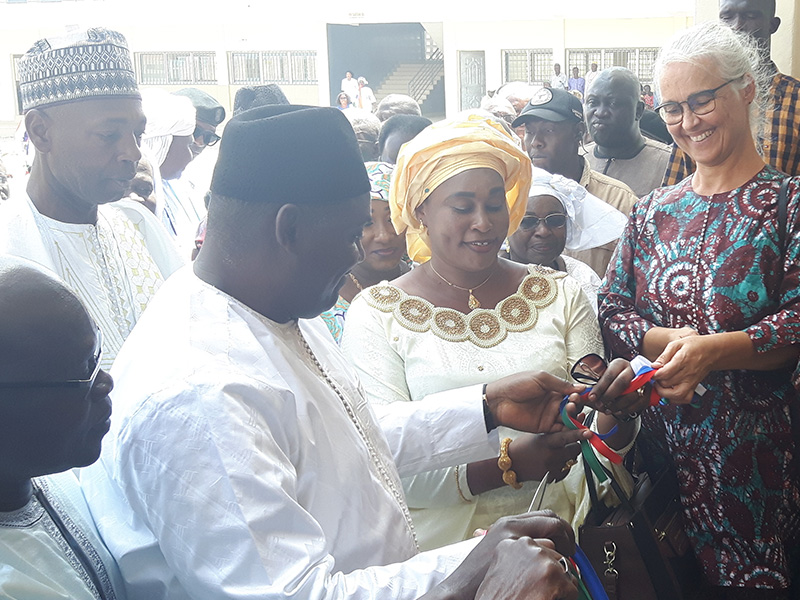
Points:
[(426, 76)]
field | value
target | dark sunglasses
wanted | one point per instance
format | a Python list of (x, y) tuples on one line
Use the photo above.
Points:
[(80, 384), (553, 221), (589, 369), (209, 137)]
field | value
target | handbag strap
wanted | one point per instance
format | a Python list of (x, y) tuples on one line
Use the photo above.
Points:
[(783, 203), (624, 500), (783, 209)]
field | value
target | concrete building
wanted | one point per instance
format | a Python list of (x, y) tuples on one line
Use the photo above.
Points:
[(447, 54)]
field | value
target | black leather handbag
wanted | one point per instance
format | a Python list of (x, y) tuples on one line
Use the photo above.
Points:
[(640, 549)]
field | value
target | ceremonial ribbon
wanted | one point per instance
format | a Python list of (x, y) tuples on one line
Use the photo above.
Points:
[(589, 584), (596, 440), (643, 373)]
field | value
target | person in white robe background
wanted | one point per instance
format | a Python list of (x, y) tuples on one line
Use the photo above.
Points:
[(84, 116), (245, 461), (171, 121), (54, 410)]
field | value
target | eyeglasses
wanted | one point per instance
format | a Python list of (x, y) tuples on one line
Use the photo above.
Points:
[(209, 137), (589, 369), (79, 384), (552, 221), (700, 103)]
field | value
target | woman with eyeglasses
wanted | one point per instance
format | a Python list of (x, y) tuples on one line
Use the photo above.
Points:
[(466, 317), (561, 213), (704, 282)]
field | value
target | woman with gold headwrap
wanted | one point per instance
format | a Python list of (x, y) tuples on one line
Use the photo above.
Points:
[(466, 316)]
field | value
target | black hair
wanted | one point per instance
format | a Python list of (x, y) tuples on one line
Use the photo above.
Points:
[(410, 125)]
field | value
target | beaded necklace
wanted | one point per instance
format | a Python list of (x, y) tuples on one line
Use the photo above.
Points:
[(373, 454)]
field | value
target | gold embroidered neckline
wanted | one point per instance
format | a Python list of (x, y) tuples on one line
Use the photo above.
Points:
[(484, 327)]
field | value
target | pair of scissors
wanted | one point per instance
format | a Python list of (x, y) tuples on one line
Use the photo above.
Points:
[(538, 496)]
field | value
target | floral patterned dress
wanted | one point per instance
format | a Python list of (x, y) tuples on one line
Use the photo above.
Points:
[(713, 263)]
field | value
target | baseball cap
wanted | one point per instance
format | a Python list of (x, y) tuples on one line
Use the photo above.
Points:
[(551, 105)]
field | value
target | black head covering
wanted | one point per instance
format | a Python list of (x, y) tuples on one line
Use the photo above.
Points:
[(258, 95), (290, 154), (208, 109)]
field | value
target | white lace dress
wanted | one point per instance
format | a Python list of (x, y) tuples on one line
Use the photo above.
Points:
[(404, 349)]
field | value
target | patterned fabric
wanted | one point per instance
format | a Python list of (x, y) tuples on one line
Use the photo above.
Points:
[(482, 327), (380, 179), (86, 64), (712, 262), (40, 561), (334, 318), (109, 267), (780, 143)]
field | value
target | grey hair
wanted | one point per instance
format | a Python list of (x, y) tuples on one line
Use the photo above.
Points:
[(724, 52)]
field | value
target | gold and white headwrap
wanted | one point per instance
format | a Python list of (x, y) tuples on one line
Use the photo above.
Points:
[(445, 149)]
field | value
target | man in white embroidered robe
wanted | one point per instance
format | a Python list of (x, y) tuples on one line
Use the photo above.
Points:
[(84, 117)]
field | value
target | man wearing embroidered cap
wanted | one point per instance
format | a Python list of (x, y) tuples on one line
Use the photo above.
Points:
[(84, 116), (554, 130), (244, 446)]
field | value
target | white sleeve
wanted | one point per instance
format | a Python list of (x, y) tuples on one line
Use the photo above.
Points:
[(427, 437), (222, 501)]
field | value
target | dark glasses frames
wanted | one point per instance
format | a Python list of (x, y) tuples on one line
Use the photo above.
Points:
[(80, 384), (700, 103), (589, 369), (209, 138), (552, 221)]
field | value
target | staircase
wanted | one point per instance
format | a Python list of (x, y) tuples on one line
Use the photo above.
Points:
[(415, 79)]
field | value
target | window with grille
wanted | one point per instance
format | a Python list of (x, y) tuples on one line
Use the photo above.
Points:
[(583, 59), (286, 66), (531, 65), (638, 60), (164, 68), (646, 63)]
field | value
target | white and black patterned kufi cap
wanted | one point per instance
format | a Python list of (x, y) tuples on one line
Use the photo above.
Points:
[(88, 64)]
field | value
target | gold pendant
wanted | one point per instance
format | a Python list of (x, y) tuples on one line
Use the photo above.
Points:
[(473, 302)]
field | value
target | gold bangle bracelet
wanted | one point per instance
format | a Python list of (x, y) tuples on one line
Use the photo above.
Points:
[(504, 462)]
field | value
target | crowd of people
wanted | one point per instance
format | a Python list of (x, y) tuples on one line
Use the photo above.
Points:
[(344, 369)]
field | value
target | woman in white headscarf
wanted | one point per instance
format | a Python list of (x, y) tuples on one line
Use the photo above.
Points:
[(562, 214)]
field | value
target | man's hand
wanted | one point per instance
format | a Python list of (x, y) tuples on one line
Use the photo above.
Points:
[(606, 394), (528, 401), (539, 568), (533, 455), (527, 569)]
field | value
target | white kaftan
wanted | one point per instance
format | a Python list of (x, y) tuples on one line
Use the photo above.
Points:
[(584, 275), (37, 561), (114, 267), (234, 470), (405, 349)]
